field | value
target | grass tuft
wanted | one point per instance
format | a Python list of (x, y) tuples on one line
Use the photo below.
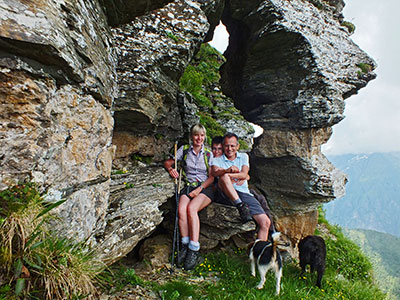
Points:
[(36, 263), (350, 26)]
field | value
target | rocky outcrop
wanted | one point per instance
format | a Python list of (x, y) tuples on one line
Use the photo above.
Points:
[(288, 68), (82, 80), (133, 212), (290, 65), (219, 223), (56, 94), (154, 50)]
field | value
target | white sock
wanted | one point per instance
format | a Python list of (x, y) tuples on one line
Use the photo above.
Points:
[(185, 240), (194, 246)]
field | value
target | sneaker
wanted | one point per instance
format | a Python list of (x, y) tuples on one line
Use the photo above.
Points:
[(180, 260), (193, 258), (244, 212)]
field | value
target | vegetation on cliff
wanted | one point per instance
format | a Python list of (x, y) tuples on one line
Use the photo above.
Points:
[(215, 110)]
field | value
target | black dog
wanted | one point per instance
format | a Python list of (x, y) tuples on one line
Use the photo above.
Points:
[(312, 251)]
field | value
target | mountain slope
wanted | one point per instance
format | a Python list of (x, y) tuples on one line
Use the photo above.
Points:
[(384, 252), (372, 199)]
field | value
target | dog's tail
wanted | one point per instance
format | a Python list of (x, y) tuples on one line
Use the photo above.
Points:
[(275, 238)]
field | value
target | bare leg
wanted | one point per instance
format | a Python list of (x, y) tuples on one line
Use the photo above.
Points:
[(196, 205), (226, 185), (263, 222), (183, 219)]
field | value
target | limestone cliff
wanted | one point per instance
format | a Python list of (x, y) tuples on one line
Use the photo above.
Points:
[(84, 83)]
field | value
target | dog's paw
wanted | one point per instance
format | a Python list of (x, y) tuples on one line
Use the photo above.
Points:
[(253, 274), (259, 287)]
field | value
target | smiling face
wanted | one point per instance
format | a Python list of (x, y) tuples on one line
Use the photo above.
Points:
[(231, 146), (217, 150), (198, 138)]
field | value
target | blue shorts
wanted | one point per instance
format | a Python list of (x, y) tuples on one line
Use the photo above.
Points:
[(254, 206)]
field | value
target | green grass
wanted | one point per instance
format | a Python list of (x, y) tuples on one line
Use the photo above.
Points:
[(115, 278), (227, 276)]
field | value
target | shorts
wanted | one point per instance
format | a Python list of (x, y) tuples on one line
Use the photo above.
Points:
[(209, 191), (254, 205)]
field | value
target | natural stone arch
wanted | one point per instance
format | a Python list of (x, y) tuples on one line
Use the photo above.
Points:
[(290, 73)]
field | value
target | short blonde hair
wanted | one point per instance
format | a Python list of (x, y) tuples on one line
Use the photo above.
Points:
[(198, 128)]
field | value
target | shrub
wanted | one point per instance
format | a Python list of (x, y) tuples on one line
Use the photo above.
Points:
[(365, 68), (36, 262), (350, 26), (191, 80)]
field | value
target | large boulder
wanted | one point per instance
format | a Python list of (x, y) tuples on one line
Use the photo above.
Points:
[(133, 212)]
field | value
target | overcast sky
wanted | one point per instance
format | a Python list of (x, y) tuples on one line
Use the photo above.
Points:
[(372, 122)]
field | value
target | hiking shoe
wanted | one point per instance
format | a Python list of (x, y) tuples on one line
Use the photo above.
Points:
[(193, 258), (180, 260), (244, 212)]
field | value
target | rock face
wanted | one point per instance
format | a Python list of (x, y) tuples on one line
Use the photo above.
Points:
[(154, 50), (133, 212), (290, 65), (82, 81), (56, 94)]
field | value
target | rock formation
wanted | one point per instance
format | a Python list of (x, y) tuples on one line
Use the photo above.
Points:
[(58, 82), (87, 83), (290, 65)]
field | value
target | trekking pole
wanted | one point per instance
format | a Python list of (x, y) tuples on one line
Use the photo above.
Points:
[(175, 237), (176, 227)]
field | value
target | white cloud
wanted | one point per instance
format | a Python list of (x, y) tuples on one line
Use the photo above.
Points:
[(372, 121)]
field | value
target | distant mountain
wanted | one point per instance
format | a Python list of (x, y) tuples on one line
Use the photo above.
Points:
[(384, 252), (372, 199)]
